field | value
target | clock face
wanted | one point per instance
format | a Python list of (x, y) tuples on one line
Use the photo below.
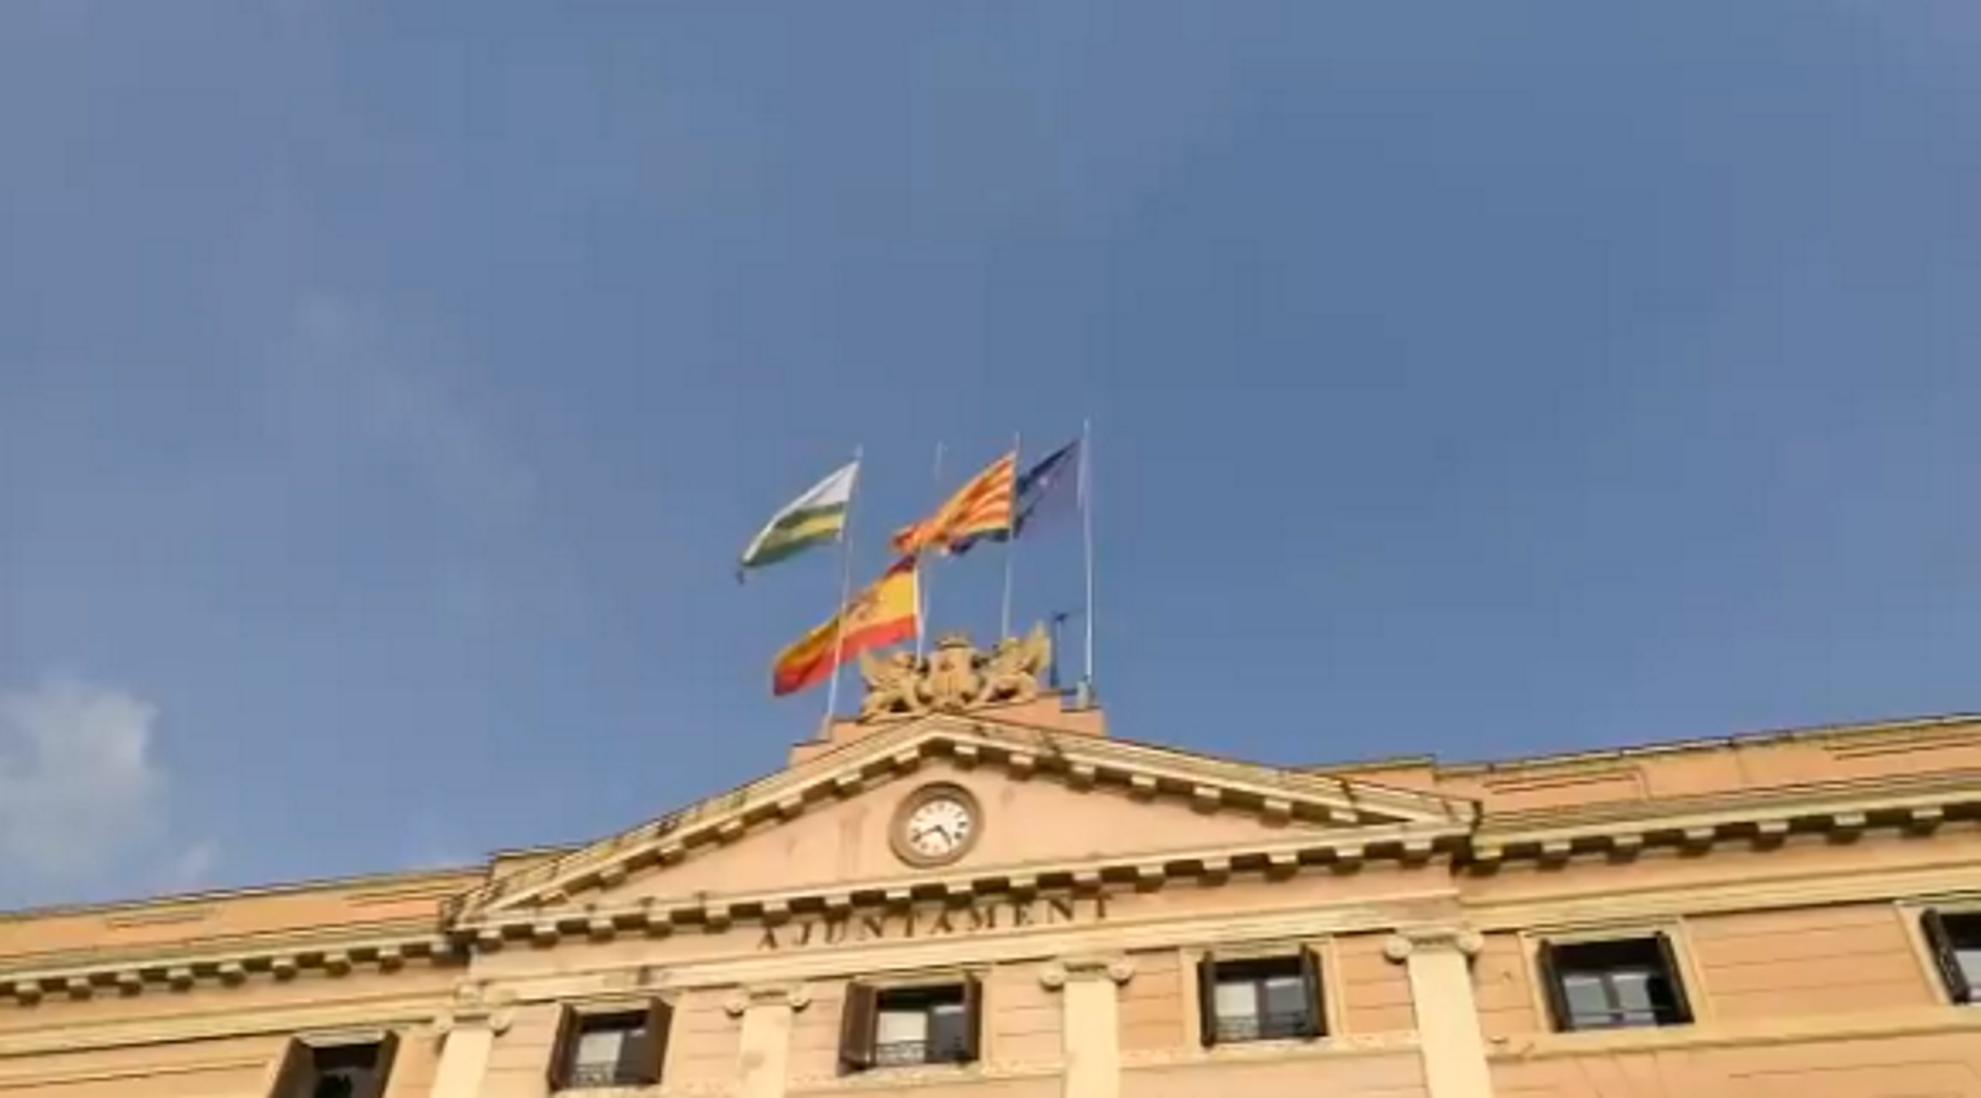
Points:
[(936, 825)]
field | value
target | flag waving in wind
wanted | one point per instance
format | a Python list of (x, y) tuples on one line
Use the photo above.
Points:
[(979, 508), (816, 518), (1045, 489), (883, 614)]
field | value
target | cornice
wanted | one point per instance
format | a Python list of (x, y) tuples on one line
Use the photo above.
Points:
[(1842, 809), (335, 951), (233, 1021), (1111, 939), (1618, 901), (396, 880), (1339, 812), (1347, 850)]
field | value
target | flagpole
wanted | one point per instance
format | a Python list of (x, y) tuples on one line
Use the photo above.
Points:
[(925, 577), (845, 588), (1010, 542), (1086, 689)]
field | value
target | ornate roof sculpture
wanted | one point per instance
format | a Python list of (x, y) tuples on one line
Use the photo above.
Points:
[(955, 677)]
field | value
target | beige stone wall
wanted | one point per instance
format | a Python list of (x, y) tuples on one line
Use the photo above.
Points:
[(1807, 963), (1305, 1075), (1024, 1020), (1157, 1005), (1896, 1066), (354, 904), (1503, 987), (238, 1068), (1371, 993)]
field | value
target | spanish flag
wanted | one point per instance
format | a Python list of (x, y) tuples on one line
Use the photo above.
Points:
[(979, 508), (883, 614)]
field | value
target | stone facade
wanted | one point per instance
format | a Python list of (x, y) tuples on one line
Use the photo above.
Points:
[(1006, 902)]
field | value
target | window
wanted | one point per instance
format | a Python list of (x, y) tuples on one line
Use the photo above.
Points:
[(1260, 999), (906, 1026), (1615, 984), (340, 1069), (1955, 939), (618, 1048)]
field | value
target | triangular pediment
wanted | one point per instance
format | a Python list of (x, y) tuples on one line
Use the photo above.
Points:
[(1041, 806)]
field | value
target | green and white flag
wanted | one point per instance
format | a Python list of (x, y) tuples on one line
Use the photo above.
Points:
[(816, 518)]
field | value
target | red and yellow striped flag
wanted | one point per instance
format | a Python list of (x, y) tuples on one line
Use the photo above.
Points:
[(883, 614), (983, 506)]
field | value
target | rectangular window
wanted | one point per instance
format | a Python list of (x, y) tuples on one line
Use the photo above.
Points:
[(345, 1069), (1616, 984), (1260, 999), (1955, 939), (907, 1026), (615, 1048)]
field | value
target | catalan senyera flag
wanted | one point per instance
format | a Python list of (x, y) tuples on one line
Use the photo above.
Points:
[(981, 507), (817, 517), (883, 614), (1047, 487)]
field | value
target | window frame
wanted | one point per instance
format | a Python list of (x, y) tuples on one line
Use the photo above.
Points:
[(1309, 959), (1668, 938), (299, 1055), (859, 1021), (1925, 927), (659, 1021)]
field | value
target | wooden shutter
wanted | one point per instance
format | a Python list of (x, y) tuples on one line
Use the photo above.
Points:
[(295, 1064), (1945, 956), (1317, 1004), (563, 1049), (1675, 977), (856, 1027), (973, 1019), (660, 1022), (388, 1050), (1544, 966), (1207, 999)]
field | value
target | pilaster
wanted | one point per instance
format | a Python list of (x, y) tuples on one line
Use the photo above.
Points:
[(763, 1059), (1091, 1026), (1454, 1051), (468, 1029)]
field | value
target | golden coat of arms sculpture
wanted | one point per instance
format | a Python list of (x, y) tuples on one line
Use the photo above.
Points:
[(955, 677)]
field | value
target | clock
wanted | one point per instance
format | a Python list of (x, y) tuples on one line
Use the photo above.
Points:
[(936, 825)]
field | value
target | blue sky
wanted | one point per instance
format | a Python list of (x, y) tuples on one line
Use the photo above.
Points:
[(386, 389)]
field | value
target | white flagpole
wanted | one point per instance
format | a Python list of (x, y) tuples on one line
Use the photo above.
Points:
[(925, 577), (1010, 542), (1087, 538), (845, 588)]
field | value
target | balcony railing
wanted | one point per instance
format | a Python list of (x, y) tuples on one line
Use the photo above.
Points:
[(910, 1053), (1270, 1026), (606, 1074)]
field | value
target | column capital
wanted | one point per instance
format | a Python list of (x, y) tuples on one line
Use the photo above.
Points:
[(476, 1004), (1065, 970), (743, 999), (1463, 940)]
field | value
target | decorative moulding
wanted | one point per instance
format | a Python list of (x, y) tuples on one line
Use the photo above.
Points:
[(1463, 940), (183, 972), (793, 996), (1276, 796), (1067, 970)]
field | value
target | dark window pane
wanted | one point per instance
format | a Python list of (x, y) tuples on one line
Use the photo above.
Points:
[(1261, 1000), (1608, 985)]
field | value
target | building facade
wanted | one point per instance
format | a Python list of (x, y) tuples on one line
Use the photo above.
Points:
[(975, 892)]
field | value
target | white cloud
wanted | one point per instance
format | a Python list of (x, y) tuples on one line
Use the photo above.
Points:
[(190, 868), (365, 377), (79, 788), (408, 408)]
